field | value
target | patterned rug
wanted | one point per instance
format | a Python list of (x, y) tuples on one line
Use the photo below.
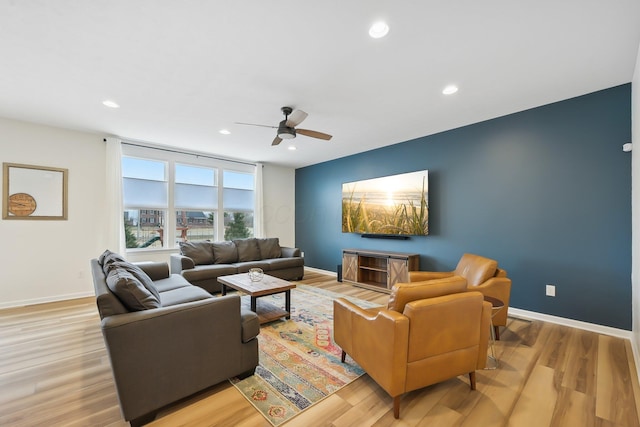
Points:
[(299, 362)]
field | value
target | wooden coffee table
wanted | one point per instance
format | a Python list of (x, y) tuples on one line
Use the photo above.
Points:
[(269, 285)]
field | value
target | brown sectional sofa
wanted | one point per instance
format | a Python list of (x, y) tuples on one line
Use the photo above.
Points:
[(202, 262), (166, 338)]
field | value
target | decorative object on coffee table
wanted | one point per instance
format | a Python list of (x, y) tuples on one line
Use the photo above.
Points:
[(255, 274)]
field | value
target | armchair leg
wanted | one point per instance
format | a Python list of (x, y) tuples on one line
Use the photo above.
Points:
[(344, 355), (396, 407), (472, 379), (496, 329)]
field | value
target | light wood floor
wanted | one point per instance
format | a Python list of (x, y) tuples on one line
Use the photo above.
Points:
[(54, 370)]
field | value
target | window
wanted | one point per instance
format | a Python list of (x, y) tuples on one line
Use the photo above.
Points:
[(144, 190), (172, 197), (238, 205), (196, 198)]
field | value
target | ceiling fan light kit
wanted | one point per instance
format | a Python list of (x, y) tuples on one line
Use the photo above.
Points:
[(287, 127)]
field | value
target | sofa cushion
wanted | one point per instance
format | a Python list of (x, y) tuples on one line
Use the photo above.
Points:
[(138, 273), (175, 281), (200, 252), (224, 252), (248, 250), (133, 294), (183, 295), (244, 267), (269, 248), (108, 257), (281, 263), (205, 272)]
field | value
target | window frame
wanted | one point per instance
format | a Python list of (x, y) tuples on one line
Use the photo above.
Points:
[(188, 159)]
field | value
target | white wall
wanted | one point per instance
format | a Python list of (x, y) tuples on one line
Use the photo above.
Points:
[(279, 203), (42, 261), (635, 208), (49, 260)]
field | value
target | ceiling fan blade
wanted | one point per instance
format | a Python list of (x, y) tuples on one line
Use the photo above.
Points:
[(277, 140), (314, 134), (254, 124), (296, 118)]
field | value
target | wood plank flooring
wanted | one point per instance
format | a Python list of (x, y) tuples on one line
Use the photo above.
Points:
[(54, 371)]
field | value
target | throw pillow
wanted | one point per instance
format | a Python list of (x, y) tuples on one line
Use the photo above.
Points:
[(248, 250), (200, 252), (269, 248), (131, 291), (139, 274), (224, 252), (107, 258)]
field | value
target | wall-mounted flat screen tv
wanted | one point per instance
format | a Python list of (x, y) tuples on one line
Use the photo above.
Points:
[(389, 205)]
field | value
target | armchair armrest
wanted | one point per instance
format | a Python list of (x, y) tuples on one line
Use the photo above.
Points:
[(377, 340), (497, 287), (155, 270), (181, 262), (290, 252), (420, 276), (161, 355)]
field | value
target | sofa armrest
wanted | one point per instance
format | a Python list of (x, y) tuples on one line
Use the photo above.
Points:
[(159, 356), (290, 252), (181, 262), (155, 270)]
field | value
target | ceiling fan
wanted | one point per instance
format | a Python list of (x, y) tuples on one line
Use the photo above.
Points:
[(287, 127)]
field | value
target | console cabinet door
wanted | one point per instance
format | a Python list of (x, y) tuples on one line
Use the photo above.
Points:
[(349, 267), (398, 271)]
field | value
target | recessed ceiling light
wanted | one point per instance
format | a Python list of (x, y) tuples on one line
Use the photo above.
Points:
[(292, 147), (449, 90), (225, 132), (110, 104), (378, 30)]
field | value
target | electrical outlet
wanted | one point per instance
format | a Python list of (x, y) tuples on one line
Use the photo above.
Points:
[(551, 290)]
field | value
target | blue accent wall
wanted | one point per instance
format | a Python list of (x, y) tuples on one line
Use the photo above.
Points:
[(546, 192)]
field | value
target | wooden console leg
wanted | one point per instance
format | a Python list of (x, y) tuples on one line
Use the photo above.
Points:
[(472, 379), (344, 355)]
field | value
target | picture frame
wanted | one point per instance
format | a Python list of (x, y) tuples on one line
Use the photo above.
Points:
[(32, 192)]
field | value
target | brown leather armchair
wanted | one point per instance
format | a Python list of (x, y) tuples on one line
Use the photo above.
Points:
[(427, 334), (482, 275)]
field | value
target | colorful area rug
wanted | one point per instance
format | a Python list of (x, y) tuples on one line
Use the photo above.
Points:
[(299, 362)]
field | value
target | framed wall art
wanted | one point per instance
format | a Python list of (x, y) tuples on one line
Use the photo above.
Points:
[(34, 192)]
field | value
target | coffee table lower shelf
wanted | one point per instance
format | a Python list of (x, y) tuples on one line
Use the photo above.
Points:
[(266, 311)]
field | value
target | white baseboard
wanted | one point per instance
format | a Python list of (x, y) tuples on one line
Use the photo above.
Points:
[(43, 300), (532, 315), (605, 330)]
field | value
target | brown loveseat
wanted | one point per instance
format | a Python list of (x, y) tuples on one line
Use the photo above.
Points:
[(166, 338), (202, 262)]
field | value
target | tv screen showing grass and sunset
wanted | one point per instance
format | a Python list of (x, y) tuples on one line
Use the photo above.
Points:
[(390, 205)]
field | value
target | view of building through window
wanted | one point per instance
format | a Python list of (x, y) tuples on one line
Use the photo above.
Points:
[(160, 193)]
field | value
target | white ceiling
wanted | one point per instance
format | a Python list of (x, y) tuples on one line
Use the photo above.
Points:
[(183, 70)]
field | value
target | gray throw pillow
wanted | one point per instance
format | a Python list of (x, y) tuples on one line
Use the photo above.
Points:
[(131, 291), (248, 250), (200, 252), (139, 274), (107, 258), (224, 252), (269, 248)]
